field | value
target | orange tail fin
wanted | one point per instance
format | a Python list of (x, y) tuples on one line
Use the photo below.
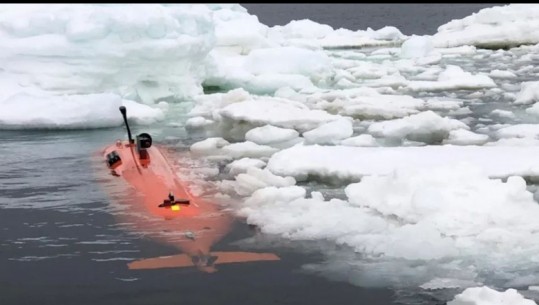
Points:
[(184, 260)]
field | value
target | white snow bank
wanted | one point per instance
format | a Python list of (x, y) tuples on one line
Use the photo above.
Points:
[(23, 111), (352, 163), (487, 296), (426, 127), (453, 77), (495, 27)]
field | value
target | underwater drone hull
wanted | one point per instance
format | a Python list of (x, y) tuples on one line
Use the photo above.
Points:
[(155, 202)]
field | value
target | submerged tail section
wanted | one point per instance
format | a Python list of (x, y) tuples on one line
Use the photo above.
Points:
[(203, 262)]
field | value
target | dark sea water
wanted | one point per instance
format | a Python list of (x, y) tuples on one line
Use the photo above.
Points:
[(409, 18), (61, 244)]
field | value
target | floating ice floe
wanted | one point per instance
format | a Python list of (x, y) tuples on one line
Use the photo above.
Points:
[(453, 77), (416, 47), (465, 137), (277, 112), (265, 70), (352, 163), (495, 27), (426, 127), (443, 104), (414, 225), (273, 136), (219, 148), (209, 147), (255, 178), (23, 111), (378, 106), (365, 103), (519, 131), (242, 165), (310, 34), (398, 234), (488, 296), (529, 93), (514, 142), (249, 150), (502, 74), (206, 105), (503, 113), (237, 112), (330, 133), (533, 110), (361, 140), (198, 122)]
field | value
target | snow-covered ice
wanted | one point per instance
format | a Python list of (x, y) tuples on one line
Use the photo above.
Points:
[(495, 27), (449, 215), (352, 163), (26, 111), (426, 127), (454, 77), (528, 94), (488, 296)]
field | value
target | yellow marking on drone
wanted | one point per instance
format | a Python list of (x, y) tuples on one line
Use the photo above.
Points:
[(175, 207)]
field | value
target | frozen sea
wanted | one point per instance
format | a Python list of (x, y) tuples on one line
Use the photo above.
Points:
[(63, 241)]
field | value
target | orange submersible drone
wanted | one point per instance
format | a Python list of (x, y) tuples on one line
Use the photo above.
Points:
[(163, 209)]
